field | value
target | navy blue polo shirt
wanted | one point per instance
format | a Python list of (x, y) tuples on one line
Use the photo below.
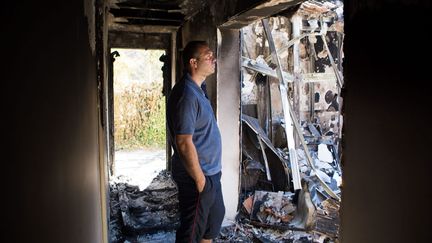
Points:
[(189, 112)]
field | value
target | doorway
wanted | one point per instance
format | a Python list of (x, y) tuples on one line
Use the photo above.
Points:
[(139, 116), (142, 195)]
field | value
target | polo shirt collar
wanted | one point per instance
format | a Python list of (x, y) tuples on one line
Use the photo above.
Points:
[(201, 89)]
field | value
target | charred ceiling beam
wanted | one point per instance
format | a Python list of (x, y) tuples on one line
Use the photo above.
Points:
[(174, 21), (150, 3), (133, 13), (142, 28), (152, 22), (262, 10), (158, 41), (151, 7)]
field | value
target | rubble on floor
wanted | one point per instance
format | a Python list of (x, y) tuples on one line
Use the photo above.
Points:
[(310, 209), (244, 232), (271, 203), (150, 215), (272, 207)]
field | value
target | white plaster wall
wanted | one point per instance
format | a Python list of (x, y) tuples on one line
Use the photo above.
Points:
[(228, 116)]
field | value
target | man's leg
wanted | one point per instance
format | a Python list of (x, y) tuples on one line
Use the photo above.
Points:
[(217, 210), (194, 209)]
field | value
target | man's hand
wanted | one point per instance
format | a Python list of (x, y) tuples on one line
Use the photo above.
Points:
[(200, 184), (188, 154)]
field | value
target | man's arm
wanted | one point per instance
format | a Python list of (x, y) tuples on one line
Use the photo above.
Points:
[(189, 156)]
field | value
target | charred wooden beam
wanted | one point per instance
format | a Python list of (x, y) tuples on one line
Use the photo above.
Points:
[(256, 12), (119, 39), (127, 27), (153, 7), (175, 21), (138, 13), (152, 22), (155, 4)]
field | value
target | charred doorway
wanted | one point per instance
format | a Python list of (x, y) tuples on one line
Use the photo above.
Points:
[(142, 195), (139, 115)]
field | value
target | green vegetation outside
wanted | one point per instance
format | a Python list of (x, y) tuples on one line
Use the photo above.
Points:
[(139, 106)]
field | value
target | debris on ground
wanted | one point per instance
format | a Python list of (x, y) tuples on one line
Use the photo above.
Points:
[(244, 232), (150, 215)]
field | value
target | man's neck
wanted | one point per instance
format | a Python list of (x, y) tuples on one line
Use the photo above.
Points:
[(197, 78)]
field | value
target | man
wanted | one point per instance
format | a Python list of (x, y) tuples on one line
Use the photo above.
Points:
[(196, 140)]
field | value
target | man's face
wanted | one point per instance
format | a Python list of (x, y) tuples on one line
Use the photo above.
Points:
[(206, 62)]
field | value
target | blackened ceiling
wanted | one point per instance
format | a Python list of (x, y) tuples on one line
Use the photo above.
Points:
[(154, 12)]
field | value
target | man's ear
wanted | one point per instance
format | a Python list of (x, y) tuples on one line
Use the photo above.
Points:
[(192, 62)]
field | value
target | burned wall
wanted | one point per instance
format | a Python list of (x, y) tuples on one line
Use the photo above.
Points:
[(321, 102), (313, 88), (51, 178), (228, 115), (202, 27)]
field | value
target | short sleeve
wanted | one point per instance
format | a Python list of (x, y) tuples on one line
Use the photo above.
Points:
[(185, 115)]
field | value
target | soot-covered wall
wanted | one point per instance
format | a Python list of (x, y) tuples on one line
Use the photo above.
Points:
[(386, 154), (50, 97)]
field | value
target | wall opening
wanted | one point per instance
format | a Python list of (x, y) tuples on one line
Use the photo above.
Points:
[(290, 173), (142, 195), (139, 115)]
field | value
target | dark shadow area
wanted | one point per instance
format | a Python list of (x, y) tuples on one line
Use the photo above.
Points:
[(386, 160)]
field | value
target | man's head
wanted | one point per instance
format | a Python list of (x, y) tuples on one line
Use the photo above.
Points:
[(198, 58)]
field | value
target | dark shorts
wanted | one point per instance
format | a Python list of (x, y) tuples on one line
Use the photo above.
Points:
[(201, 214)]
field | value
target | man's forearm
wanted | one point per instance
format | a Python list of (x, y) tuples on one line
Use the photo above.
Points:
[(189, 156)]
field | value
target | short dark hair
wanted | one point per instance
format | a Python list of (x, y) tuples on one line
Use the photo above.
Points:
[(191, 51)]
